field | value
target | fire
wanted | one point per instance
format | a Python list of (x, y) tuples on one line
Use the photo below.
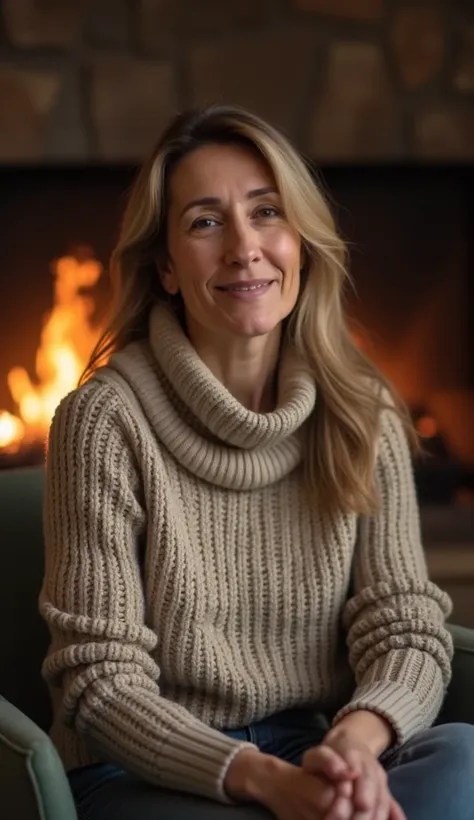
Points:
[(427, 427), (12, 431), (67, 339)]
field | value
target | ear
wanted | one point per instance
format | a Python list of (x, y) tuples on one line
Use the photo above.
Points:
[(168, 279)]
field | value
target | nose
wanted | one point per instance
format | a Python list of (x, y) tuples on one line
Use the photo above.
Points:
[(241, 244)]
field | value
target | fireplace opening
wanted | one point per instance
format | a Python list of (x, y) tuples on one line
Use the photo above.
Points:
[(409, 235)]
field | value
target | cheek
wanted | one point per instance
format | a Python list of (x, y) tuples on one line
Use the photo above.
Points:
[(287, 251), (192, 263), (288, 248)]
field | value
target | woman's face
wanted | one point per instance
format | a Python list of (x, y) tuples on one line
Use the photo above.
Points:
[(233, 255)]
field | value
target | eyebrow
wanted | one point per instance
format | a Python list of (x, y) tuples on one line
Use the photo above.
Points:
[(214, 200)]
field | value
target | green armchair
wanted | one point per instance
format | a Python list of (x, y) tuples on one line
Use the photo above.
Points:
[(33, 784)]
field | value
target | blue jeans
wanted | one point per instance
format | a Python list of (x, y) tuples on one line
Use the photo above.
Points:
[(431, 776)]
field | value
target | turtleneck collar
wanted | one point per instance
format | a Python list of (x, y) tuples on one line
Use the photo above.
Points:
[(244, 449), (211, 402)]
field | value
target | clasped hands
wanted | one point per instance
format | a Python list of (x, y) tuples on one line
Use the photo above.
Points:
[(341, 779), (352, 783)]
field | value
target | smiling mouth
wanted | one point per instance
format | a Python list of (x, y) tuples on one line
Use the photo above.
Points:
[(244, 287)]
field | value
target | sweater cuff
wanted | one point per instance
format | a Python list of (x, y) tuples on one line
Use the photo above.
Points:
[(393, 702), (197, 761)]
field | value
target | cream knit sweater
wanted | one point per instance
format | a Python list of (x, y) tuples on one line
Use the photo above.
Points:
[(191, 583)]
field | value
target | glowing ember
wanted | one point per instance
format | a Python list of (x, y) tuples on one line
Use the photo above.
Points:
[(67, 339), (427, 427)]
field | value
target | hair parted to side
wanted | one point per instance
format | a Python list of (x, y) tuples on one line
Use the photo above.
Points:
[(343, 433)]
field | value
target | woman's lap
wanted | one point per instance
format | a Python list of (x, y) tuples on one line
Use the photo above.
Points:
[(124, 797), (431, 777), (106, 792)]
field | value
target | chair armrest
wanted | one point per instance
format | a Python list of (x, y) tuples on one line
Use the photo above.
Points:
[(459, 702), (33, 783)]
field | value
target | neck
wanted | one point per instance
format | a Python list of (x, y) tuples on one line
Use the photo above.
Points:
[(246, 367)]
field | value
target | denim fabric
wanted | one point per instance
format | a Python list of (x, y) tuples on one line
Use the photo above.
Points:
[(431, 776), (287, 735)]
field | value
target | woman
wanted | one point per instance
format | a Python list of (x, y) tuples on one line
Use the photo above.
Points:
[(228, 502)]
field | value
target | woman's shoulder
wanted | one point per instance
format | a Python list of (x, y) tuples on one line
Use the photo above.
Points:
[(97, 404), (393, 426), (95, 394), (397, 441), (109, 402), (106, 389)]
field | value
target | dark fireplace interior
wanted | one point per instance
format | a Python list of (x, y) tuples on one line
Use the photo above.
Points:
[(409, 230)]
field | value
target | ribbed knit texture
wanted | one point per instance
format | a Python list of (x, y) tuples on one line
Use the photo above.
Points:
[(191, 583)]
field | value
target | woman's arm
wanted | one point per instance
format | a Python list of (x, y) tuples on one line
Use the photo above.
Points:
[(375, 731), (93, 601), (399, 648)]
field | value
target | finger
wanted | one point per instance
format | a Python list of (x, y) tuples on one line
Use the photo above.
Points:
[(383, 811), (345, 788), (341, 809), (323, 793), (363, 815), (365, 791), (365, 794), (382, 800), (324, 760), (396, 811)]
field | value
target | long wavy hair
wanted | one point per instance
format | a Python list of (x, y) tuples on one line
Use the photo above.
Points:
[(342, 434)]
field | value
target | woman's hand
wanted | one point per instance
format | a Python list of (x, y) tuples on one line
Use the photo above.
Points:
[(288, 791), (371, 798)]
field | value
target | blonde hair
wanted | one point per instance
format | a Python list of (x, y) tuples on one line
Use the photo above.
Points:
[(342, 435)]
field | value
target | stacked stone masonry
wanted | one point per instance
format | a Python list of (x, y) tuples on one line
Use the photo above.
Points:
[(348, 80)]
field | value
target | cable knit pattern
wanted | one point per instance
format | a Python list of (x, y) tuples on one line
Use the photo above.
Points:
[(191, 583)]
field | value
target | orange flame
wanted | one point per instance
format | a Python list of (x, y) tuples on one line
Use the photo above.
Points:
[(67, 339), (12, 431)]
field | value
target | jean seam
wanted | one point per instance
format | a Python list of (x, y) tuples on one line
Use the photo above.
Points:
[(253, 738)]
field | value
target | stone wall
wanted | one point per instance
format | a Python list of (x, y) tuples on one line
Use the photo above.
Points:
[(349, 80)]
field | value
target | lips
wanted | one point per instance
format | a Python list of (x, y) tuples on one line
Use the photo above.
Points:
[(248, 286)]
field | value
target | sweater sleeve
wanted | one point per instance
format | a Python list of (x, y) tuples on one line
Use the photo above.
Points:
[(399, 648), (101, 654)]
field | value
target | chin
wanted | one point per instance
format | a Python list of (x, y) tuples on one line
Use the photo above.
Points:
[(252, 329)]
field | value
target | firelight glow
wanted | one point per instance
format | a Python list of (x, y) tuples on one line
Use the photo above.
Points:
[(67, 339)]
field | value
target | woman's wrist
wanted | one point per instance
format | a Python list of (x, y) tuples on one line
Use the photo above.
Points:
[(369, 728), (250, 775)]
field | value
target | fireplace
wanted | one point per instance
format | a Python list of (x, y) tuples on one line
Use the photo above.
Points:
[(409, 234)]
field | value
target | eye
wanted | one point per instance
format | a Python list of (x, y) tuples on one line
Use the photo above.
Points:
[(203, 222), (267, 212)]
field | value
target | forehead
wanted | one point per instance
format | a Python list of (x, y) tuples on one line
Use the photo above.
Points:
[(213, 169)]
